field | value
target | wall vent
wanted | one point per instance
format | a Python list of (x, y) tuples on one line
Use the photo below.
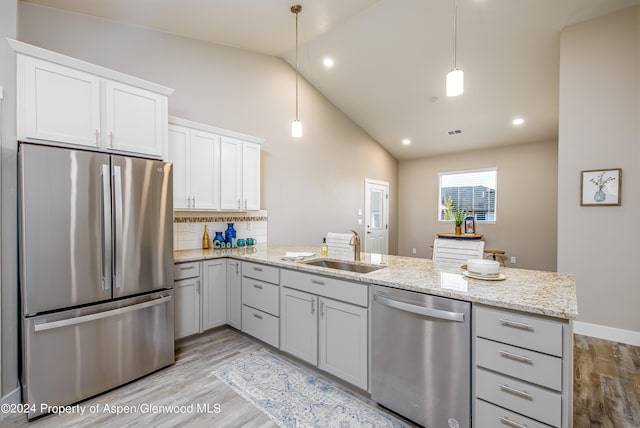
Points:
[(455, 132)]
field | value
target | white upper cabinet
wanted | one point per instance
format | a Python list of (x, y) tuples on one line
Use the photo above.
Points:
[(65, 101), (251, 176), (136, 119), (214, 169), (196, 179), (47, 87), (231, 174)]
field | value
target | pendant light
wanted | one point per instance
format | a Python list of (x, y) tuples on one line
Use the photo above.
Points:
[(296, 125), (455, 78)]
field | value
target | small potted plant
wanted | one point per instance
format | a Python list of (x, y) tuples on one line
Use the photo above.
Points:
[(457, 214)]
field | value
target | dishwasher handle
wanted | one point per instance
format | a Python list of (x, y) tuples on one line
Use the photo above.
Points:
[(421, 310)]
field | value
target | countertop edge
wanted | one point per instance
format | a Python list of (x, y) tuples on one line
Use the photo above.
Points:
[(258, 256)]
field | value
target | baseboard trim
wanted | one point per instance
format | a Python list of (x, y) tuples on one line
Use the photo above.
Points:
[(11, 398), (608, 333)]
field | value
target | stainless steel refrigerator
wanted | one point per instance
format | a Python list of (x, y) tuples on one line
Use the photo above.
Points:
[(96, 271)]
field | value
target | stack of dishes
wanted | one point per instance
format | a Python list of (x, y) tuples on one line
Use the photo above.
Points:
[(483, 269)]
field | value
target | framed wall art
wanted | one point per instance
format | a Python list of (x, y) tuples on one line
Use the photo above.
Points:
[(601, 187)]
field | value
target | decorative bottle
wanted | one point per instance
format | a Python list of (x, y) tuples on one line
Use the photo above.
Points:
[(324, 247), (219, 237), (206, 243), (230, 233)]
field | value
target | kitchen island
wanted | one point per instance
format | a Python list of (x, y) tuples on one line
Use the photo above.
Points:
[(520, 335)]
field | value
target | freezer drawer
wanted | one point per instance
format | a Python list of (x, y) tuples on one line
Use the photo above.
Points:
[(72, 355)]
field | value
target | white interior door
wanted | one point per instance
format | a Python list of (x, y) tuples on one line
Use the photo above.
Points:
[(376, 207)]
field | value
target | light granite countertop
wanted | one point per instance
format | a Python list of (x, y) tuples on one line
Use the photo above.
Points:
[(546, 293)]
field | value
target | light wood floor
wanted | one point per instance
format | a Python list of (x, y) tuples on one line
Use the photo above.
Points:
[(606, 389), (606, 385)]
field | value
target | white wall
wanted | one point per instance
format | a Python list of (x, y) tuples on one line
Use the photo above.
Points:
[(599, 128), (9, 288), (309, 186), (526, 202)]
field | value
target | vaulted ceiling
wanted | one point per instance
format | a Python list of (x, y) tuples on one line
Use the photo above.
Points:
[(391, 58)]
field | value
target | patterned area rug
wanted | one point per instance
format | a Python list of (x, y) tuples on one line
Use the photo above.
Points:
[(294, 397)]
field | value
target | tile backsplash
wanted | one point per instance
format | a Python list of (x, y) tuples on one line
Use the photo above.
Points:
[(188, 226)]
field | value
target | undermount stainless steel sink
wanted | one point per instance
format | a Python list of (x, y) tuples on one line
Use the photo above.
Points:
[(344, 265)]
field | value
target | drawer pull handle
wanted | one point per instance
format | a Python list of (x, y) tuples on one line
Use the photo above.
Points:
[(521, 358), (258, 286), (523, 394), (505, 420), (257, 269), (516, 324), (317, 281), (257, 316), (188, 268)]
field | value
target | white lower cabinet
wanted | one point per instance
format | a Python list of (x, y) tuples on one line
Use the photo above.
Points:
[(343, 341), (234, 294), (522, 369), (299, 324), (214, 293), (260, 302), (324, 331), (186, 295)]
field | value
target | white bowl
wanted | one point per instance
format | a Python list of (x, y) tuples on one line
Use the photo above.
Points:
[(483, 267)]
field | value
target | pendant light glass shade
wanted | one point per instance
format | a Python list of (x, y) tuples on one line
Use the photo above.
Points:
[(296, 129), (455, 83), (296, 125)]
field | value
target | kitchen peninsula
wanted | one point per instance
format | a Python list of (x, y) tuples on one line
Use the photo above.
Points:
[(538, 292), (521, 327)]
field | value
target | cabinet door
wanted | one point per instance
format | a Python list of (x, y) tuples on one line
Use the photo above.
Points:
[(179, 154), (214, 293), (234, 294), (135, 120), (299, 324), (343, 341), (204, 158), (186, 293), (60, 104), (251, 176), (230, 174)]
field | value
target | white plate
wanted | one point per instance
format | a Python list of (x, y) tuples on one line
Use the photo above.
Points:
[(500, 277)]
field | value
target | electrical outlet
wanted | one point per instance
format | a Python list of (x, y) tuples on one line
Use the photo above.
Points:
[(513, 260), (414, 251), (359, 221)]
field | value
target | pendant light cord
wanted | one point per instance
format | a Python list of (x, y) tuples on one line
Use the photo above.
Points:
[(455, 35), (297, 65)]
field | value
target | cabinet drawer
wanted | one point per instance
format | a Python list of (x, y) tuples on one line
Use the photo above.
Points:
[(186, 270), (522, 397), (488, 415), (541, 369), (261, 325), (261, 295), (262, 272), (346, 291), (522, 330)]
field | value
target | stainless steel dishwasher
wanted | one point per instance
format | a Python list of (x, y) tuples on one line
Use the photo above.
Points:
[(421, 357)]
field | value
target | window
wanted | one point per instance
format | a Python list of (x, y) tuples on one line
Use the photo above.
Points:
[(474, 191)]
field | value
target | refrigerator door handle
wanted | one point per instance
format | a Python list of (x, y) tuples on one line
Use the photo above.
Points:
[(117, 225), (106, 227), (92, 317)]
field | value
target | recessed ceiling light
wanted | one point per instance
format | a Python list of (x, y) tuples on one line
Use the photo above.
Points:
[(406, 141), (518, 121), (328, 62)]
